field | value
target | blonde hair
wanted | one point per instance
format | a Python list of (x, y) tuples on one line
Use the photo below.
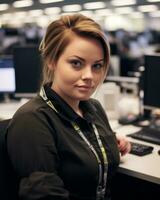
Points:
[(59, 34)]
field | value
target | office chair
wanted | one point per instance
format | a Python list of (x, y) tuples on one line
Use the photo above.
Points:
[(8, 179)]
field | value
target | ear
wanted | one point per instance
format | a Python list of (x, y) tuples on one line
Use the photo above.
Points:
[(51, 65)]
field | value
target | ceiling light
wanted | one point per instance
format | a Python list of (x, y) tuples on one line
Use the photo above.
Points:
[(52, 10), (35, 13), (97, 18), (22, 3), (137, 15), (155, 14), (72, 8), (123, 2), (103, 12), (87, 13), (123, 10), (148, 8), (49, 1), (94, 5), (43, 21), (29, 19), (6, 16), (68, 13), (20, 14), (4, 6), (53, 17), (153, 0)]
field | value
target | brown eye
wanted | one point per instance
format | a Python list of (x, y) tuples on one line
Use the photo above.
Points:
[(76, 63)]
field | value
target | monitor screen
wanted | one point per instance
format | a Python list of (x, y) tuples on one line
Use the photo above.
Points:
[(28, 68), (7, 75), (152, 82), (114, 48)]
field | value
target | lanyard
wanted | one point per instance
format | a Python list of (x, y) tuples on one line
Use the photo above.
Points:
[(101, 188)]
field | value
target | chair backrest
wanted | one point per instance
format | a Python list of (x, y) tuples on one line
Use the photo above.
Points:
[(8, 178)]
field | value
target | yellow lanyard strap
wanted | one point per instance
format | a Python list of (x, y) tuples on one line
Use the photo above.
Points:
[(100, 189)]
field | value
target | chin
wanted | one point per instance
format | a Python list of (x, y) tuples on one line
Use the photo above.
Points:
[(84, 98)]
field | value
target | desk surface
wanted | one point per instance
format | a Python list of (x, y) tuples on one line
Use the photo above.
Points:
[(8, 109), (145, 167)]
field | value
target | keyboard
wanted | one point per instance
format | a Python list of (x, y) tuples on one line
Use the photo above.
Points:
[(147, 134), (140, 149)]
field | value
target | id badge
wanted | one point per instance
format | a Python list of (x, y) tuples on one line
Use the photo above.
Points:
[(100, 193)]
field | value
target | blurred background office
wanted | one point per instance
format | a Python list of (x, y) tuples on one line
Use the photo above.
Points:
[(130, 93), (132, 27)]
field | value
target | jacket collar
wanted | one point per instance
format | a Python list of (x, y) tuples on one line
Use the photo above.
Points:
[(65, 111)]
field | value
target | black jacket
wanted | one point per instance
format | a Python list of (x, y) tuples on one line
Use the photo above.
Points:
[(51, 159)]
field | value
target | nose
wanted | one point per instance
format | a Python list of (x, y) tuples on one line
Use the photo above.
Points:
[(87, 73)]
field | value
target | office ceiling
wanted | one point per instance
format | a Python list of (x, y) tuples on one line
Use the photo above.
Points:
[(109, 8), (38, 5)]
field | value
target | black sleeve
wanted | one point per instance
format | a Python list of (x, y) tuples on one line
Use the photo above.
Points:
[(32, 150)]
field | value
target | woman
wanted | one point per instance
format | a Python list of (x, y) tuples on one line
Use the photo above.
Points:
[(60, 142)]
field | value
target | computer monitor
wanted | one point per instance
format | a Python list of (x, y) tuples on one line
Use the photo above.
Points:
[(114, 48), (7, 75), (128, 66), (28, 69), (152, 82)]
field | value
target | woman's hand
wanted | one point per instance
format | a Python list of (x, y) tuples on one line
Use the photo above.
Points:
[(123, 145)]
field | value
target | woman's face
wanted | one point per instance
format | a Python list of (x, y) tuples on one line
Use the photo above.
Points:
[(79, 70)]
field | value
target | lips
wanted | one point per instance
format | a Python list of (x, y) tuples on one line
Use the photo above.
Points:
[(85, 87)]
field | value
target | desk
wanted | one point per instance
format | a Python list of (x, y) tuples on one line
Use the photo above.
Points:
[(138, 178), (8, 109), (145, 167)]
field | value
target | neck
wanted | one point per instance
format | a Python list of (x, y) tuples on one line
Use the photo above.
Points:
[(74, 104), (79, 112)]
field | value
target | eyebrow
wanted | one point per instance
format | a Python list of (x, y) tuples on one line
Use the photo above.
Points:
[(84, 59)]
